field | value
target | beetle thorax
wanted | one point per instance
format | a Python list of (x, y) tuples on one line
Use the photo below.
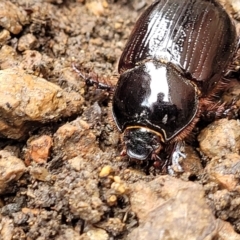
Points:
[(156, 96)]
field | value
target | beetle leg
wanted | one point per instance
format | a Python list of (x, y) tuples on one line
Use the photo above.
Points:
[(230, 108), (123, 152), (219, 110), (158, 162), (93, 80)]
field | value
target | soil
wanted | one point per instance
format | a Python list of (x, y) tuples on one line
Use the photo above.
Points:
[(62, 176)]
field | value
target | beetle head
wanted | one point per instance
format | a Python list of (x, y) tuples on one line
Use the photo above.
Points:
[(141, 143)]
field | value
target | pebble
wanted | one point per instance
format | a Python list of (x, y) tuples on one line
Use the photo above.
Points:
[(8, 57), (12, 17), (220, 138), (95, 233), (120, 188), (38, 149), (6, 228), (167, 209), (26, 100), (227, 232), (36, 63), (225, 171), (40, 173), (112, 200), (105, 171), (27, 42), (227, 206), (11, 169), (113, 225), (4, 36), (191, 165), (236, 8), (96, 7), (76, 139), (70, 233), (84, 200)]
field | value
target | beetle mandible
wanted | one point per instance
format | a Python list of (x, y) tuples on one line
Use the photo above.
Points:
[(169, 68)]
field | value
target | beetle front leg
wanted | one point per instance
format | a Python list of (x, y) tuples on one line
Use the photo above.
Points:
[(219, 110), (92, 79)]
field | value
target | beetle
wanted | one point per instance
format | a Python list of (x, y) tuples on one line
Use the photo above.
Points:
[(170, 69)]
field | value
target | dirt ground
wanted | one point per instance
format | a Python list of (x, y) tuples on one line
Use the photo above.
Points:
[(61, 173)]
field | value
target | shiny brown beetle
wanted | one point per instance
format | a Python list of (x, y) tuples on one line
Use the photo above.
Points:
[(171, 65), (172, 62)]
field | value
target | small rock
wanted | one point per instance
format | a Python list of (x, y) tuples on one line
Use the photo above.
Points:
[(70, 233), (92, 114), (236, 8), (12, 17), (83, 165), (11, 169), (227, 206), (85, 210), (222, 201), (40, 173), (19, 218), (36, 63), (97, 41), (95, 233), (118, 25), (112, 200), (120, 188), (113, 225), (227, 232), (117, 179), (96, 7), (233, 91), (105, 171), (38, 149), (232, 7), (169, 211), (132, 175), (13, 150), (220, 138), (59, 47), (27, 42), (6, 228), (26, 99), (105, 3), (191, 165), (225, 171), (10, 208), (84, 197), (8, 57), (76, 139), (30, 211), (76, 163), (4, 37)]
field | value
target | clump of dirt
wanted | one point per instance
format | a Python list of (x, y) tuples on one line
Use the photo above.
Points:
[(62, 176)]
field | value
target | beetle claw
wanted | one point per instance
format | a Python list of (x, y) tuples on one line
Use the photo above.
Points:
[(92, 79)]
